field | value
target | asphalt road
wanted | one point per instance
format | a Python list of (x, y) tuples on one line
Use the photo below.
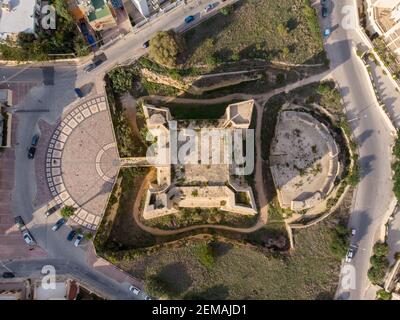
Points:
[(88, 277), (374, 192)]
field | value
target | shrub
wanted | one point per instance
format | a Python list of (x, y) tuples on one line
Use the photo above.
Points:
[(167, 48), (226, 11), (379, 263), (340, 241), (67, 211), (383, 295), (381, 249), (397, 255), (280, 78), (205, 256)]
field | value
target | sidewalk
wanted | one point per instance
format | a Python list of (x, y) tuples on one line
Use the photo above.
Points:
[(387, 92), (108, 269)]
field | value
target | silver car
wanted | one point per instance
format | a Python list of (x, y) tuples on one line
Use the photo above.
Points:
[(28, 238)]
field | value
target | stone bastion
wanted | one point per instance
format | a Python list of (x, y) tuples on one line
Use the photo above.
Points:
[(303, 160)]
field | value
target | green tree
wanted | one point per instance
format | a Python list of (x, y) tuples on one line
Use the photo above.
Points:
[(167, 48), (227, 10), (235, 56), (67, 211), (381, 249)]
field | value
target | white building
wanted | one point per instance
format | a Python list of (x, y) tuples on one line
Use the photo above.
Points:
[(384, 17), (16, 16), (142, 6)]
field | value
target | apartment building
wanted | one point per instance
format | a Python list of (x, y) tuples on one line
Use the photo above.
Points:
[(99, 13), (16, 17), (384, 18)]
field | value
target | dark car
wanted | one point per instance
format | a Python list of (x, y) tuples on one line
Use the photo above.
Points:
[(19, 222), (79, 92), (58, 224), (71, 235), (324, 12), (189, 19), (146, 44), (91, 41), (93, 65), (8, 275), (84, 28), (53, 209), (323, 2), (31, 152), (35, 140)]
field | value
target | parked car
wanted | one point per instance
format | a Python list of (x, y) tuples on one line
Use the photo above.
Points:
[(8, 275), (146, 44), (93, 65), (324, 12), (35, 140), (189, 19), (350, 255), (31, 152), (53, 209), (71, 235), (91, 41), (148, 297), (327, 32), (79, 92), (28, 238), (58, 224), (20, 223), (353, 232), (84, 28), (78, 240), (209, 7), (134, 290)]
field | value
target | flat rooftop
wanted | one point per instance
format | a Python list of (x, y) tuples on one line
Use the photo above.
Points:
[(18, 18)]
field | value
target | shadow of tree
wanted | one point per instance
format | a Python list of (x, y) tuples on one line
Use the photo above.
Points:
[(218, 292)]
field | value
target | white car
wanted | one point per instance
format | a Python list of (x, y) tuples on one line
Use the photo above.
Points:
[(78, 240), (28, 238), (209, 7), (134, 290), (353, 232), (350, 255)]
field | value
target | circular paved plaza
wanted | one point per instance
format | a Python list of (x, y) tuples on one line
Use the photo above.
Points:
[(82, 161)]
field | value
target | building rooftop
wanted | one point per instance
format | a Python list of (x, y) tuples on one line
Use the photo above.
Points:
[(101, 10), (16, 17)]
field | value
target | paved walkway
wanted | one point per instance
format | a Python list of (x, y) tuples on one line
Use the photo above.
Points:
[(387, 92), (82, 161)]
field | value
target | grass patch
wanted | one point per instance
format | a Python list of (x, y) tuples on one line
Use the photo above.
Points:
[(286, 30), (233, 271), (197, 111), (197, 216), (123, 233)]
